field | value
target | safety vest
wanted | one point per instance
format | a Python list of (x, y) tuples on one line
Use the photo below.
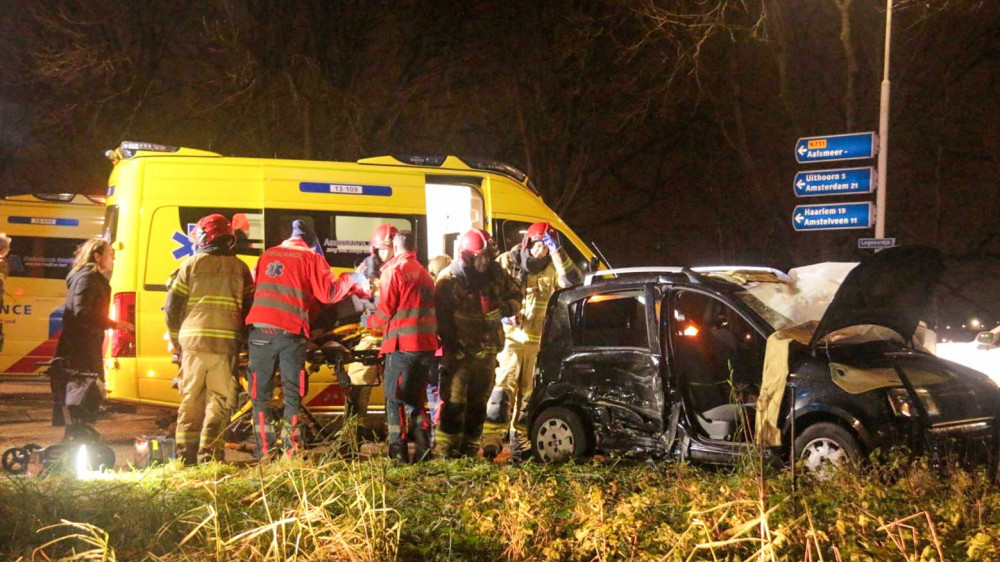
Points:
[(405, 306), (290, 278)]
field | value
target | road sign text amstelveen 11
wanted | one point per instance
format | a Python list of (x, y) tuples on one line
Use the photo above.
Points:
[(876, 243), (835, 216), (846, 181), (835, 147)]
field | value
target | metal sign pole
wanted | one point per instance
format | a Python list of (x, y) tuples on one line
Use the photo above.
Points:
[(883, 130)]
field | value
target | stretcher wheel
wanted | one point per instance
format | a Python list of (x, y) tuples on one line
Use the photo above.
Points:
[(15, 460)]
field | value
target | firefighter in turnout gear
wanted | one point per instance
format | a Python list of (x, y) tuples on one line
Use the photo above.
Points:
[(470, 298), (206, 305), (406, 314), (291, 278), (540, 266)]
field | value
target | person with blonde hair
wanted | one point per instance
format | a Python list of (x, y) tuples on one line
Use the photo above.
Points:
[(85, 317), (4, 250)]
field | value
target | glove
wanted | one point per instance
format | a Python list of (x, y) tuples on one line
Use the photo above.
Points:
[(513, 320), (362, 283), (551, 240), (358, 283)]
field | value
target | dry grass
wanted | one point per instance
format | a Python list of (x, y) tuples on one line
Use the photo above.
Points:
[(334, 509)]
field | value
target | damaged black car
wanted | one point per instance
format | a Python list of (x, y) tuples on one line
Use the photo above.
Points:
[(825, 363)]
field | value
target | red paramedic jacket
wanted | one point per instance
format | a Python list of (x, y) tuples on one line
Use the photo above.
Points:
[(405, 306), (290, 278)]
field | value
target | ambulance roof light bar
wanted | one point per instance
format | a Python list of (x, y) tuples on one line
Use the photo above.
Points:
[(130, 149), (439, 160)]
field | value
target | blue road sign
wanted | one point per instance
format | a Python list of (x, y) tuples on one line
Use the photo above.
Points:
[(846, 181), (834, 216), (835, 147), (876, 243)]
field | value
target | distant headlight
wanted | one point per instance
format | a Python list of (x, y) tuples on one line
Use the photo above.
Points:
[(987, 340), (902, 406)]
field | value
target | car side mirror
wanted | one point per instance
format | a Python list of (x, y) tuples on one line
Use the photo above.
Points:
[(592, 265)]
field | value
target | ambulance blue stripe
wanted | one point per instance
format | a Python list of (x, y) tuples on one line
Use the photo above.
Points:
[(345, 189), (44, 221)]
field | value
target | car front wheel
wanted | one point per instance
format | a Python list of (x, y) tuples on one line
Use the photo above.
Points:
[(559, 435), (824, 447)]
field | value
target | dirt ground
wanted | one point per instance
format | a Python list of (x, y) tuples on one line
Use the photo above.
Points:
[(26, 417)]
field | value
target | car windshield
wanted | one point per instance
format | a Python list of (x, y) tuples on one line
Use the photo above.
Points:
[(803, 297)]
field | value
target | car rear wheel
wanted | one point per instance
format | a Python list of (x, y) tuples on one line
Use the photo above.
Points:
[(559, 435), (825, 447)]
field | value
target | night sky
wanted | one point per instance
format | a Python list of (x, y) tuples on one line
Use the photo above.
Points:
[(663, 131)]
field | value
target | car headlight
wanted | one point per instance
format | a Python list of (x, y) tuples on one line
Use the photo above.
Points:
[(902, 406)]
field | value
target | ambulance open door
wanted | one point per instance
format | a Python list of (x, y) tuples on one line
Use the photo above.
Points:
[(454, 205)]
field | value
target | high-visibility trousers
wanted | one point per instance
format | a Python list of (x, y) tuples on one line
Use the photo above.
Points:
[(511, 392), (464, 389), (207, 396), (271, 348)]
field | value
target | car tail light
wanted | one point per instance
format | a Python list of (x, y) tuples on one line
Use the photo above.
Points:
[(123, 341)]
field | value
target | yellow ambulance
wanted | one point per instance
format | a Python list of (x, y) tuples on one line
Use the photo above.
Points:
[(45, 231), (157, 193)]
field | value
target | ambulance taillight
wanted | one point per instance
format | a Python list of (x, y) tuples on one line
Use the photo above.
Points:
[(123, 341)]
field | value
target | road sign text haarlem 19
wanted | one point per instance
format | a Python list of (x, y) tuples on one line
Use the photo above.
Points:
[(834, 216)]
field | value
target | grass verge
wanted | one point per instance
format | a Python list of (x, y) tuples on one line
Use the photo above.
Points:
[(334, 509)]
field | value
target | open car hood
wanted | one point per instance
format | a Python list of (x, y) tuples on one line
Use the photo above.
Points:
[(891, 288)]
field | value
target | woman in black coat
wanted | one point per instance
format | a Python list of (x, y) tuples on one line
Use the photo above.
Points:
[(85, 315)]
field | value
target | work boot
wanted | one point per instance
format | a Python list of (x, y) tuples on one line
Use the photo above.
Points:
[(421, 446), (399, 452), (518, 454), (421, 436), (490, 452)]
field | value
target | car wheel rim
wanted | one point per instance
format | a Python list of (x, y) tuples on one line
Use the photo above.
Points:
[(823, 456), (555, 441)]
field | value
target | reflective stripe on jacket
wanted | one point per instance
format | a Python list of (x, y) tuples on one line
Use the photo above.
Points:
[(290, 278), (207, 302), (405, 306), (560, 273)]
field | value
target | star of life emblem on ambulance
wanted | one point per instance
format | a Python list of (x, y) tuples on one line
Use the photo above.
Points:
[(185, 247), (275, 269)]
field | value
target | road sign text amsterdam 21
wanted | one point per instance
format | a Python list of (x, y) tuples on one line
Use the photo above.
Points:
[(846, 181)]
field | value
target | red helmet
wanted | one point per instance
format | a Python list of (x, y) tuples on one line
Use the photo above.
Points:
[(536, 232), (476, 242), (382, 237), (210, 228)]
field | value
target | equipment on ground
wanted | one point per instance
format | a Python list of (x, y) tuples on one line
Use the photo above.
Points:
[(82, 448)]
